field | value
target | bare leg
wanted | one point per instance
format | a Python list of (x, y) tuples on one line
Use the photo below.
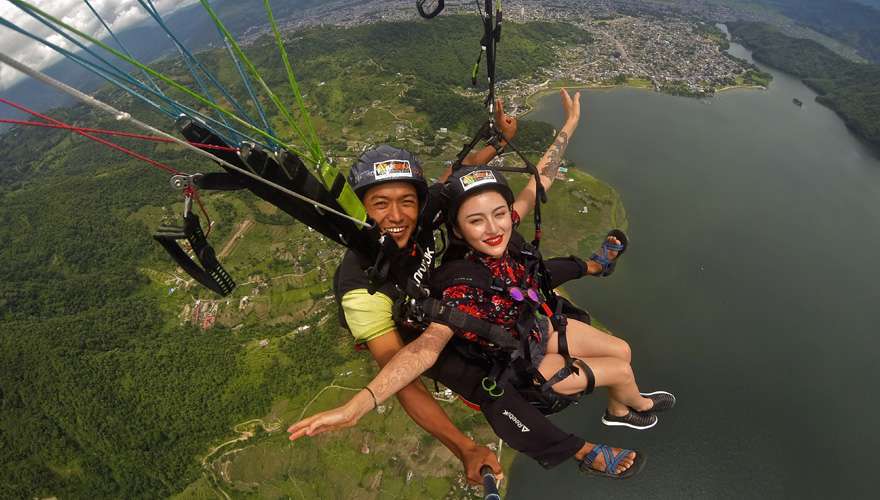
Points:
[(585, 341), (610, 372)]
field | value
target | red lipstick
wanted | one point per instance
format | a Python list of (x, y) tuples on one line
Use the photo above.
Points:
[(494, 241)]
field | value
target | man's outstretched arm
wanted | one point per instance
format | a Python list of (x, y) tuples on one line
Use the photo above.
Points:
[(421, 406), (401, 371), (404, 367)]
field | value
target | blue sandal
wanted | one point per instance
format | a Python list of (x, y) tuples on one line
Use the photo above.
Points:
[(611, 462), (602, 258)]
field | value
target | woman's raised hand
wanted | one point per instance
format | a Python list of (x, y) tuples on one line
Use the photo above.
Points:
[(571, 106)]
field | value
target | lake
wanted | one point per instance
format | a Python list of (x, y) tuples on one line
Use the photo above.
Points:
[(749, 290)]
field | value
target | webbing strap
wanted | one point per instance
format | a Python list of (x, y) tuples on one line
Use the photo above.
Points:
[(210, 274), (437, 311), (588, 372), (219, 181)]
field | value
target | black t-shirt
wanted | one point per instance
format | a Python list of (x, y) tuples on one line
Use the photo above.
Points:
[(352, 271)]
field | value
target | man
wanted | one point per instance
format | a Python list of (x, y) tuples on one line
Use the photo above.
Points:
[(392, 187)]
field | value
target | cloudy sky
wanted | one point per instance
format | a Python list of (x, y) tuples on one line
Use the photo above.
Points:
[(119, 14)]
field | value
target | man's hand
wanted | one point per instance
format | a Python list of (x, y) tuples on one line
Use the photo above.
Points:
[(338, 418), (475, 458), (506, 124)]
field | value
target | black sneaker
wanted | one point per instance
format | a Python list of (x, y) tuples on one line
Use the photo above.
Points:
[(634, 420), (662, 400)]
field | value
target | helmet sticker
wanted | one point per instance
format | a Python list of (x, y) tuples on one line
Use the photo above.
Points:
[(477, 178), (390, 169)]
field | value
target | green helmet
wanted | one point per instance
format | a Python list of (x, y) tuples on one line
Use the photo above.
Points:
[(387, 164), (470, 180)]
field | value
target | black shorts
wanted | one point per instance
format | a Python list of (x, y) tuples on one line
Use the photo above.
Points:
[(512, 416)]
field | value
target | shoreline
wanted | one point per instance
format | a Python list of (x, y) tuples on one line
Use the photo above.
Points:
[(528, 104)]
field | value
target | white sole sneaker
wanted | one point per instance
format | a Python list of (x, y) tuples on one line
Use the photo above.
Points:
[(623, 421)]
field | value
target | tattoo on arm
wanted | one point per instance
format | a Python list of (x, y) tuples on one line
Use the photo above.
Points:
[(554, 155), (411, 361)]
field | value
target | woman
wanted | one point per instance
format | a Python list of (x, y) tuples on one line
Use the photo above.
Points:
[(483, 214)]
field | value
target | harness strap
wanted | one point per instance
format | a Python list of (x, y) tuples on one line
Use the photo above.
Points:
[(220, 181), (435, 310), (591, 377), (210, 274), (378, 272)]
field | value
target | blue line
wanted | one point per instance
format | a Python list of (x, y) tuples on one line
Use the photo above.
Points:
[(185, 55), (177, 106), (247, 84), (86, 64), (119, 42), (230, 98), (105, 74)]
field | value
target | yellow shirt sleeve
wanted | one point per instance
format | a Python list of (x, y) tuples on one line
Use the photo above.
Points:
[(368, 316)]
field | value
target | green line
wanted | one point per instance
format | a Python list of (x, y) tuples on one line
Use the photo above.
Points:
[(256, 74), (294, 86), (166, 79), (327, 173)]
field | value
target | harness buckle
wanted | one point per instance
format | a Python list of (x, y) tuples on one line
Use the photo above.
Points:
[(489, 385), (182, 182)]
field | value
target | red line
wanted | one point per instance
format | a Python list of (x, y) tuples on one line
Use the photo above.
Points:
[(86, 132), (191, 191), (105, 142), (152, 138)]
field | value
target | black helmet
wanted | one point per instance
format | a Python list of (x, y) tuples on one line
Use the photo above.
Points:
[(387, 164), (470, 180)]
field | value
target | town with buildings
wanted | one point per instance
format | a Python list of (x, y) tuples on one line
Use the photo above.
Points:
[(652, 45)]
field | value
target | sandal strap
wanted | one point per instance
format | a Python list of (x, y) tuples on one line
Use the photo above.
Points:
[(617, 247), (591, 456), (611, 465), (604, 260), (611, 460), (601, 259), (606, 263)]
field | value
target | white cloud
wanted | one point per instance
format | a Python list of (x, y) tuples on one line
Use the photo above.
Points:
[(118, 14)]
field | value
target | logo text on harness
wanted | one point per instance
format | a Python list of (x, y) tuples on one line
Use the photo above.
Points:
[(516, 421), (427, 258)]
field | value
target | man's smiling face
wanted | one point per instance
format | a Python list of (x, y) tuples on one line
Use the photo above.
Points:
[(395, 208)]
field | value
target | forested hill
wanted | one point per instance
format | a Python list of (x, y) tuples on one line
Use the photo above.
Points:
[(853, 22), (851, 89), (108, 386)]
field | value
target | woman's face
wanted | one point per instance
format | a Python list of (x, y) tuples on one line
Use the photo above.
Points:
[(485, 224)]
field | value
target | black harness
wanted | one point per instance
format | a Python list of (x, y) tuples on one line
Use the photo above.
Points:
[(508, 358)]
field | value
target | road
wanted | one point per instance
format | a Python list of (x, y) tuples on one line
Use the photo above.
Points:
[(230, 244)]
